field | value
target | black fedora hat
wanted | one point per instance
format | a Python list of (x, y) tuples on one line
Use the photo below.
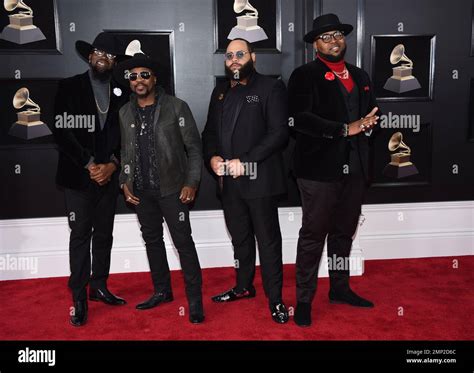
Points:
[(325, 23), (138, 60), (104, 42)]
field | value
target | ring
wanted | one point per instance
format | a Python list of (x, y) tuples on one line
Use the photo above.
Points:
[(188, 199), (129, 198)]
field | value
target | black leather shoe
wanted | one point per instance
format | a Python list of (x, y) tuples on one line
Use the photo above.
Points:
[(196, 312), (232, 295), (279, 313), (155, 300), (349, 297), (79, 317), (104, 295), (303, 314)]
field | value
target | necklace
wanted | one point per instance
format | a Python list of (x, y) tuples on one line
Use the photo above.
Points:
[(98, 107), (344, 74)]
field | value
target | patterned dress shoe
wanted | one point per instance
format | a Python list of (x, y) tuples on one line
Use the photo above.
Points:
[(279, 313), (233, 295)]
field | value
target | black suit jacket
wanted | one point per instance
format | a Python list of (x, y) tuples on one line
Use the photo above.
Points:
[(260, 133), (319, 111), (77, 145)]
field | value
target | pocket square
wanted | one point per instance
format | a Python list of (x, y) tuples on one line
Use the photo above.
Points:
[(253, 99)]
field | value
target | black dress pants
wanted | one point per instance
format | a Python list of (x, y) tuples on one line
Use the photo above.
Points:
[(332, 210), (150, 211), (245, 220), (91, 213)]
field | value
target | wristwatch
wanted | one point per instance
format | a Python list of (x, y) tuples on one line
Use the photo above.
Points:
[(345, 130)]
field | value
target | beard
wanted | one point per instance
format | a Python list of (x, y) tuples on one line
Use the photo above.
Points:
[(102, 75), (246, 69), (331, 58)]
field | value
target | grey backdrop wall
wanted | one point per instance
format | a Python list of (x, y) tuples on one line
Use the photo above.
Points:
[(32, 193)]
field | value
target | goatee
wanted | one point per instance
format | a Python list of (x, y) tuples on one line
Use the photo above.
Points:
[(331, 58), (244, 72)]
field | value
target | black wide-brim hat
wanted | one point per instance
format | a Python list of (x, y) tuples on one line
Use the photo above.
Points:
[(104, 42), (138, 60), (325, 23)]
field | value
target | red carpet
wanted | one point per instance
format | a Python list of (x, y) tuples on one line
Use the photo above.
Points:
[(437, 302)]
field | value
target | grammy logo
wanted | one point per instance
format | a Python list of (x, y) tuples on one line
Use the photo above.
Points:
[(400, 165), (247, 25), (21, 29), (402, 79), (28, 125)]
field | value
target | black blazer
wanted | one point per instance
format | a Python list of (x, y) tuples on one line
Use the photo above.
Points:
[(260, 134), (319, 112), (77, 145)]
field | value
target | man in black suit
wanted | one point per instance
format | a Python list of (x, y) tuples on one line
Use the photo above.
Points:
[(245, 133), (87, 169), (333, 107)]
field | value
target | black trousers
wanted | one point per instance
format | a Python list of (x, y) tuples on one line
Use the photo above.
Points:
[(150, 211), (245, 220), (91, 213), (330, 209)]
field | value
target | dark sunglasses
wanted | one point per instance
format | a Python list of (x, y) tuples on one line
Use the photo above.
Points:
[(145, 75)]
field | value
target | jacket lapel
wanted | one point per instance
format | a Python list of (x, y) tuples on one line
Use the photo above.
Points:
[(333, 85), (360, 86)]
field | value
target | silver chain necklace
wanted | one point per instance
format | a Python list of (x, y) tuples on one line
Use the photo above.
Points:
[(108, 104)]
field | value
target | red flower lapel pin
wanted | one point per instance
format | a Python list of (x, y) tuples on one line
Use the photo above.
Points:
[(329, 76), (366, 88)]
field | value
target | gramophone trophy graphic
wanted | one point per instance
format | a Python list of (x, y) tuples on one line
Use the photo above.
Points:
[(400, 165), (247, 25), (28, 125), (402, 79), (133, 48), (21, 29)]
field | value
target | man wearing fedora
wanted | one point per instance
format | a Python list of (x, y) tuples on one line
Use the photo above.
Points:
[(333, 106), (88, 170), (161, 170)]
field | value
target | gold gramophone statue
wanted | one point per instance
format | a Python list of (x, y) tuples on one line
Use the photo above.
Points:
[(21, 29), (402, 79), (28, 125), (400, 165), (247, 25)]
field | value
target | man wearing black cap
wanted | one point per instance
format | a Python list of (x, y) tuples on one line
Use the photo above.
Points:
[(88, 170), (161, 170), (334, 109)]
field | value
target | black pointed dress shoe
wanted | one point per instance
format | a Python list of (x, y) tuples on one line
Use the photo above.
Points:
[(279, 313), (233, 295), (196, 312), (79, 316), (104, 295), (303, 314), (155, 300), (350, 298)]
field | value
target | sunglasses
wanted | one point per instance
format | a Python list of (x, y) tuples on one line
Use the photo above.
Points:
[(145, 75), (100, 53), (239, 54)]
